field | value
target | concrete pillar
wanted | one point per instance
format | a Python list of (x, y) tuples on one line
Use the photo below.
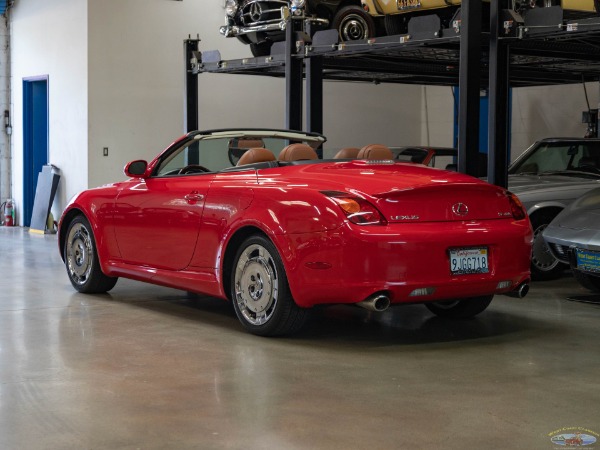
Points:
[(5, 150)]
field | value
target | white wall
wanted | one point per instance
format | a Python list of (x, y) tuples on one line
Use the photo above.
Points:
[(136, 87), (437, 116), (537, 113), (552, 111), (50, 38), (4, 106)]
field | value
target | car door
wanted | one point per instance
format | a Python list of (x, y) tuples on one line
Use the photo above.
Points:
[(157, 220)]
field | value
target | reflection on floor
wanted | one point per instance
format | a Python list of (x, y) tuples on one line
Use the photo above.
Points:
[(151, 367)]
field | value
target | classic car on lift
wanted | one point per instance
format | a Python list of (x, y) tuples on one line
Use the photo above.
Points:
[(279, 236), (397, 13), (574, 239), (259, 23)]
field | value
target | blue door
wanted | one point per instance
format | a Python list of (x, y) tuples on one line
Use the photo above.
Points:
[(35, 139)]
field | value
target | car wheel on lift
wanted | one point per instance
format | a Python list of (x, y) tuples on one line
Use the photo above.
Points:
[(261, 48), (588, 281), (544, 266), (260, 291), (353, 24), (81, 259), (460, 309)]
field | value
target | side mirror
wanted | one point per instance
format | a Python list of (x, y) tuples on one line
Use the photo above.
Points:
[(136, 169)]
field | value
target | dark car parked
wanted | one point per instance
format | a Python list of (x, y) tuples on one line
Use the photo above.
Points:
[(259, 23)]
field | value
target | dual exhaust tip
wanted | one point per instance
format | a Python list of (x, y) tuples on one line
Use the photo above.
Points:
[(519, 292), (381, 302), (376, 302)]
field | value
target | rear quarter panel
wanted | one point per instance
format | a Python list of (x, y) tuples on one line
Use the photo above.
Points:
[(274, 207)]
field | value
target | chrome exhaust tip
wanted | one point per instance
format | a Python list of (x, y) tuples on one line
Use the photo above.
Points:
[(376, 302), (519, 292)]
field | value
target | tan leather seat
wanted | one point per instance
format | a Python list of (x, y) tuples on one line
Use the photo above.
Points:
[(256, 155), (297, 152), (246, 143), (375, 151), (347, 153)]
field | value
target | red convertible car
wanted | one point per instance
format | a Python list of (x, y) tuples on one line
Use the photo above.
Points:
[(282, 231)]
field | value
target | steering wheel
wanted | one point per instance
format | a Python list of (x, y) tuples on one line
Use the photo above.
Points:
[(191, 168)]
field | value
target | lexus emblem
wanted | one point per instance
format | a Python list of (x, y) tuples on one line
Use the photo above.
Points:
[(255, 12), (460, 209)]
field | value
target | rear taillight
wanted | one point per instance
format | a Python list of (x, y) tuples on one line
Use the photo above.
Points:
[(516, 207), (356, 209)]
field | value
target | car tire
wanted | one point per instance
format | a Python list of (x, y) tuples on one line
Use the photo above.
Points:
[(589, 282), (544, 266), (81, 259), (261, 48), (260, 291), (460, 309), (353, 23)]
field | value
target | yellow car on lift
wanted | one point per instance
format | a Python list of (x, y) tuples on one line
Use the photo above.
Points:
[(397, 13)]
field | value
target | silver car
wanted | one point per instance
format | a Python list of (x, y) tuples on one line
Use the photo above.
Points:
[(574, 238), (548, 177)]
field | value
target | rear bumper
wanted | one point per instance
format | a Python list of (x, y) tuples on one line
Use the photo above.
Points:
[(351, 263)]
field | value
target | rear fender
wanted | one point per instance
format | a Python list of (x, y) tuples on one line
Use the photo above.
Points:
[(533, 209), (292, 226)]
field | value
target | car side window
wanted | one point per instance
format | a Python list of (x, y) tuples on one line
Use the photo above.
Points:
[(548, 158), (182, 157)]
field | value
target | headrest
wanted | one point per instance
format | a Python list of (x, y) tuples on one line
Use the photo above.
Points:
[(347, 153), (246, 143), (375, 151), (256, 155), (297, 152)]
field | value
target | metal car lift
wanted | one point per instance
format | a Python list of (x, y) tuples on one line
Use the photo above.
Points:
[(542, 50)]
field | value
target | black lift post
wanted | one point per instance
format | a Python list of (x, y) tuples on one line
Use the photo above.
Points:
[(190, 119), (497, 168), (293, 78), (314, 92), (469, 85)]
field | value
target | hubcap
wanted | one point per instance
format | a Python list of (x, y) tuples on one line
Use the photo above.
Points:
[(256, 284), (541, 256), (354, 28), (79, 254)]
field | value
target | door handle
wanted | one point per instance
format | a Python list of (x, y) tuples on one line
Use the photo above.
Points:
[(193, 197)]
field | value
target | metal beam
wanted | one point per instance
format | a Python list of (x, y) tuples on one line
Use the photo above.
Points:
[(293, 80), (190, 118), (469, 85), (497, 168), (314, 97)]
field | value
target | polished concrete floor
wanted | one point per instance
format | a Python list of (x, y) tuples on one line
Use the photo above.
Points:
[(150, 368)]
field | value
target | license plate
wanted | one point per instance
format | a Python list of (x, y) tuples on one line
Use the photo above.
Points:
[(465, 261), (587, 260)]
